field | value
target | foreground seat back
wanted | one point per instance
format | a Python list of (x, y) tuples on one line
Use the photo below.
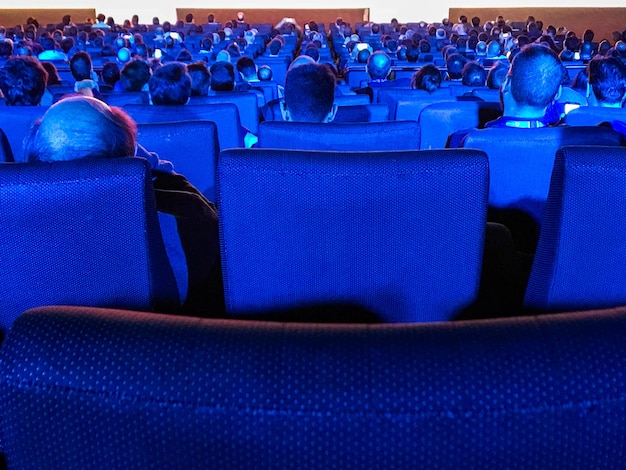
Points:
[(82, 232), (399, 234), (580, 256), (91, 388)]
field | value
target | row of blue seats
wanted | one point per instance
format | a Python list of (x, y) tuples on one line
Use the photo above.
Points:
[(397, 234)]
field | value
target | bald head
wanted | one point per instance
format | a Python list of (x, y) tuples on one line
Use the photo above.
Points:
[(81, 127), (378, 65)]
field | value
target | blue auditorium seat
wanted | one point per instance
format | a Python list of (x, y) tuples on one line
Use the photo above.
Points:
[(16, 121), (82, 232), (399, 234), (246, 102), (594, 115), (362, 136), (6, 153), (580, 258), (520, 167), (192, 146), (224, 115), (99, 388), (438, 120)]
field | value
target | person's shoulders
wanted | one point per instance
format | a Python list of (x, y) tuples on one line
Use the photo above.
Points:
[(176, 195)]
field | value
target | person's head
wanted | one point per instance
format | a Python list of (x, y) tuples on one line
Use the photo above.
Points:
[(80, 66), (378, 65), (427, 78), (497, 74), (135, 75), (222, 76), (189, 18), (274, 46), (265, 73), (454, 65), (200, 78), (309, 94), (170, 84), (473, 74), (247, 68), (100, 132), (533, 82), (110, 73), (607, 81), (53, 73), (23, 81)]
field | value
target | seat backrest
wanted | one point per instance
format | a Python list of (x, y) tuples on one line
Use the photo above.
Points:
[(83, 232), (246, 101), (362, 113), (16, 122), (224, 115), (392, 96), (117, 98), (521, 161), (354, 136), (100, 388), (192, 146), (594, 115), (438, 120), (580, 257), (6, 153), (399, 234), (487, 94)]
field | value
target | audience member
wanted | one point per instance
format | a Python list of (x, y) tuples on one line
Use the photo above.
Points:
[(200, 78), (222, 77), (497, 74), (427, 78), (23, 81), (309, 94), (170, 85), (107, 132), (473, 74), (606, 82), (135, 76)]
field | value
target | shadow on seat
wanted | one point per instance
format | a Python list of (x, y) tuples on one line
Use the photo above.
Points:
[(399, 234), (520, 167), (580, 256), (192, 146), (82, 232)]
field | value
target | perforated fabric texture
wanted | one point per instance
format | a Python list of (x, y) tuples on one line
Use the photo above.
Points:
[(82, 232), (192, 146), (399, 234), (521, 161), (580, 257), (88, 388), (224, 115), (354, 136)]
